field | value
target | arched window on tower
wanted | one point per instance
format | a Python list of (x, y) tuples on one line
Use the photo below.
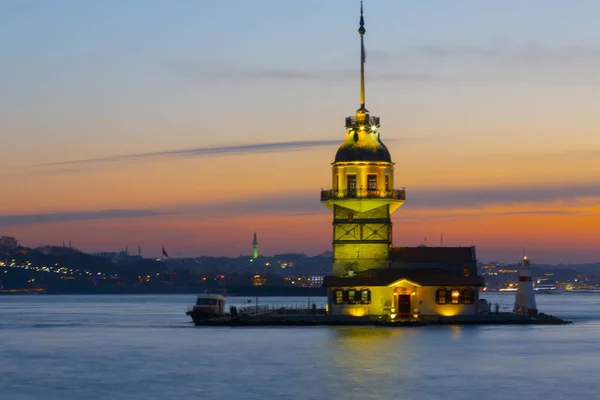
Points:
[(351, 185), (372, 183)]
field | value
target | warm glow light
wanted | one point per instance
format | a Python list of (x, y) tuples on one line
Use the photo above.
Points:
[(455, 293), (448, 312), (356, 312)]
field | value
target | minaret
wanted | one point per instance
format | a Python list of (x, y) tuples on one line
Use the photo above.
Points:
[(525, 298), (362, 197), (255, 246)]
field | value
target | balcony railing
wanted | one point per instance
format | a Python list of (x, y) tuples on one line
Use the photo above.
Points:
[(352, 122), (396, 194)]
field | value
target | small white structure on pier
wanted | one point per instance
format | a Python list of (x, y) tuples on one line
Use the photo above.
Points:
[(525, 298)]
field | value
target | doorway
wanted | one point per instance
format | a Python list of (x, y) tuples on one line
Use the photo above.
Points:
[(404, 305)]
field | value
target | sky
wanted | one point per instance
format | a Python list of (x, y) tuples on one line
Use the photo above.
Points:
[(192, 124)]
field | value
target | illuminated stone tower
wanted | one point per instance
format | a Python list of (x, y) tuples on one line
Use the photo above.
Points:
[(255, 246), (362, 197)]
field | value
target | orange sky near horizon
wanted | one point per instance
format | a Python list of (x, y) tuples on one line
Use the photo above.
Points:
[(496, 234), (472, 199), (494, 135)]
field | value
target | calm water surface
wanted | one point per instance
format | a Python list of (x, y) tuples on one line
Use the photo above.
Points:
[(144, 347)]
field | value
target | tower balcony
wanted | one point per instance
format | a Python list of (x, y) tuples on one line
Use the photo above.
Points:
[(354, 122), (391, 194)]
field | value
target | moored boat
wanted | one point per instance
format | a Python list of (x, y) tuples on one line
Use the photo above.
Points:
[(207, 306)]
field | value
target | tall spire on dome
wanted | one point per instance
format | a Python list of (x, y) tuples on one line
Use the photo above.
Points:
[(361, 31)]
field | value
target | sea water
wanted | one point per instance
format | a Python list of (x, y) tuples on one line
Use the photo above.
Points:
[(145, 347)]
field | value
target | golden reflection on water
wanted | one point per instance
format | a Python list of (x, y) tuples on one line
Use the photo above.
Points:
[(457, 331), (353, 335), (362, 354)]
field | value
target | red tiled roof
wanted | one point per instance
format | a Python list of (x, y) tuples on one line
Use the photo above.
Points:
[(433, 254), (387, 276)]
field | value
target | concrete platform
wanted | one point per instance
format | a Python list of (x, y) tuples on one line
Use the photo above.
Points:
[(331, 320), (502, 319)]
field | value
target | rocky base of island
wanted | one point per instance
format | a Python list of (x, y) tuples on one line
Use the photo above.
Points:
[(333, 320)]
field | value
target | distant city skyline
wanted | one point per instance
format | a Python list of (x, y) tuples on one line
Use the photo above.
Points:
[(191, 125)]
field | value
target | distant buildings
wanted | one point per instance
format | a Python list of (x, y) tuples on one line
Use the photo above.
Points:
[(259, 280), (316, 280), (58, 269)]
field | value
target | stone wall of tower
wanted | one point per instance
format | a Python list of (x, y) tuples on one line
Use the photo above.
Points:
[(362, 240)]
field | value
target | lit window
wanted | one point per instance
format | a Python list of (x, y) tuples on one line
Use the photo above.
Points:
[(455, 297), (351, 185), (351, 296), (441, 296), (371, 182), (468, 296), (466, 272), (365, 296), (339, 297)]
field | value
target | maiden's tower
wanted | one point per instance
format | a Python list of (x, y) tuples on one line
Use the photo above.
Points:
[(370, 277)]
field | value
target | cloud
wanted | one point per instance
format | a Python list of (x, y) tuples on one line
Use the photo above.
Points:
[(29, 219), (533, 52), (482, 197), (284, 205), (336, 75), (446, 63), (255, 148), (532, 63), (296, 204), (440, 215), (590, 154), (199, 70)]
